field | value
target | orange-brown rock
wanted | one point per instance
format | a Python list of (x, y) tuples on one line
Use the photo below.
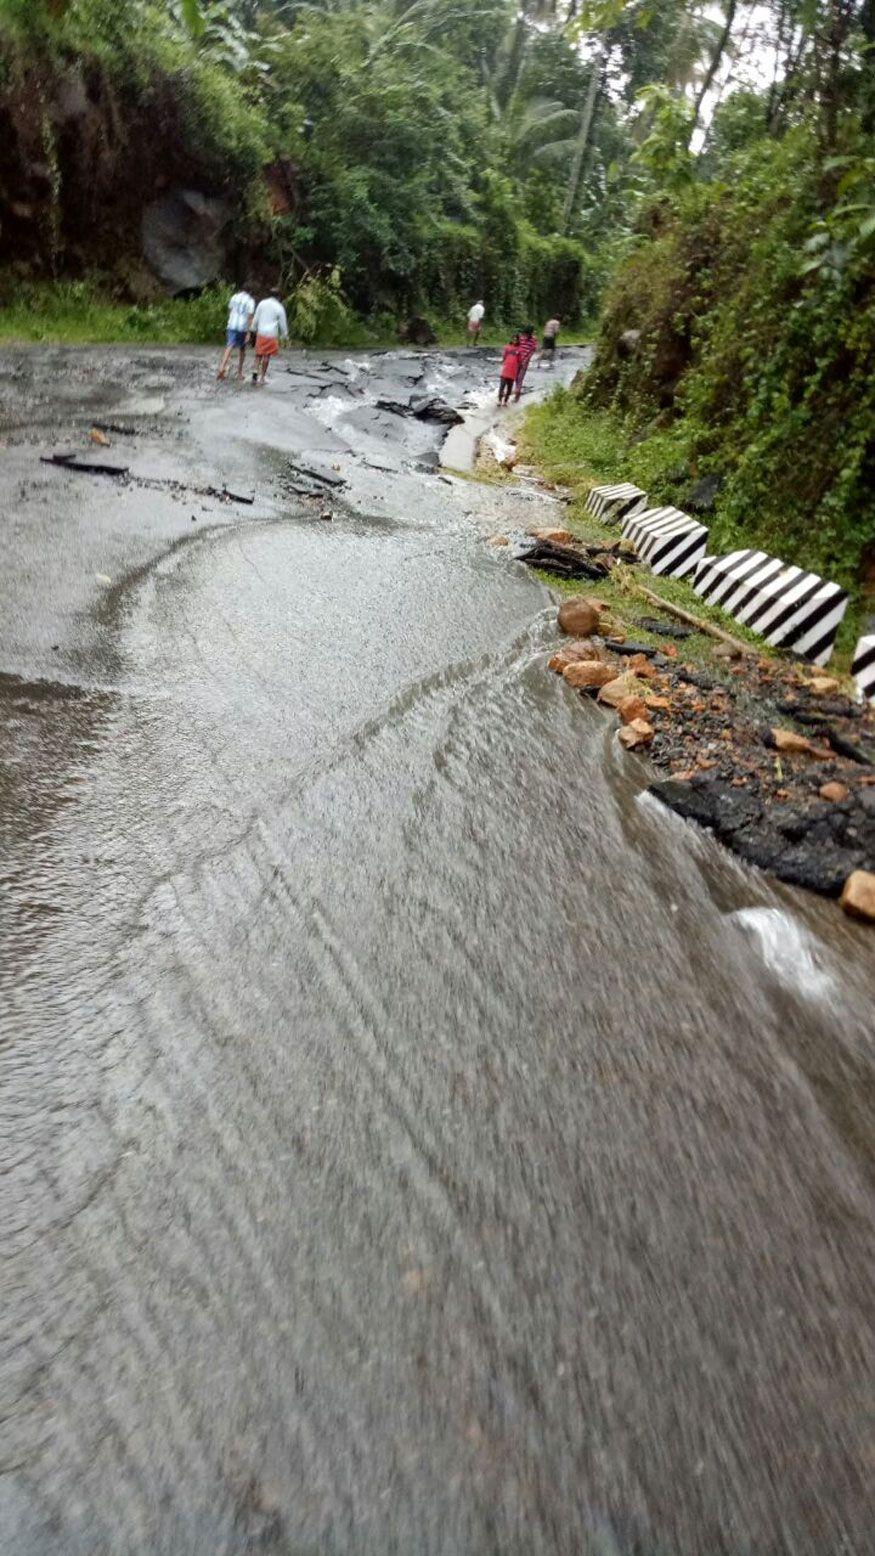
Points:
[(824, 685), (835, 792), (792, 744), (655, 702), (632, 707), (579, 617), (615, 690), (568, 653), (588, 672), (559, 537), (497, 540), (639, 664), (858, 895), (638, 733)]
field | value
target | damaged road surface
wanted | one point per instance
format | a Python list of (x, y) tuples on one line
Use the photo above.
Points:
[(415, 1138)]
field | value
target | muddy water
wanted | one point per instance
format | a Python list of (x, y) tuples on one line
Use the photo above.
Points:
[(414, 1140)]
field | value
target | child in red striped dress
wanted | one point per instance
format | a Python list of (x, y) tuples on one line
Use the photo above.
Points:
[(527, 346)]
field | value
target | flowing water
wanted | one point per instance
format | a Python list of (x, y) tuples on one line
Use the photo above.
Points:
[(415, 1140)]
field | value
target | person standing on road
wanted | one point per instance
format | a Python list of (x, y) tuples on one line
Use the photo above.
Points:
[(528, 345), (240, 311), (548, 345), (270, 326), (475, 322), (510, 364)]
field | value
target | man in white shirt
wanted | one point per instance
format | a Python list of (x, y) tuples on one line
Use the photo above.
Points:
[(475, 321), (240, 311), (270, 325)]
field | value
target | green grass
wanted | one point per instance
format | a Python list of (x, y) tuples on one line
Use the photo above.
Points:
[(81, 313), (578, 450)]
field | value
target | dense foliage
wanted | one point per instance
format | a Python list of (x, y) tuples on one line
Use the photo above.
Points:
[(406, 157), (737, 339)]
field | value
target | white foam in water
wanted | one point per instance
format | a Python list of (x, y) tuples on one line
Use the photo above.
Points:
[(328, 409), (356, 368), (788, 950)]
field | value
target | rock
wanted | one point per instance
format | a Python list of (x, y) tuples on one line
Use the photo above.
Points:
[(631, 708), (417, 332), (636, 733), (834, 792), (181, 235), (639, 664), (793, 744), (498, 540), (824, 685), (579, 616), (614, 690), (584, 673), (726, 651), (858, 895), (571, 653), (431, 407), (657, 703), (559, 537), (758, 844), (626, 548)]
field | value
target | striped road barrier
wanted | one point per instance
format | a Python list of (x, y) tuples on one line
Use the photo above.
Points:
[(787, 606), (863, 667), (667, 540), (612, 503)]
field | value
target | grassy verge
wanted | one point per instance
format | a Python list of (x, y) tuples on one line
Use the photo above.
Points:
[(579, 449), (82, 313)]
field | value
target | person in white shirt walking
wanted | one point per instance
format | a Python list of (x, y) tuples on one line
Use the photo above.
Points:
[(271, 326), (240, 311), (475, 321)]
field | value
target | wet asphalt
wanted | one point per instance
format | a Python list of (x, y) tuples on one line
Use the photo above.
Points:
[(413, 1139)]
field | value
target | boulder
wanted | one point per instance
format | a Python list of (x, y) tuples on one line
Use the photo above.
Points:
[(181, 235), (431, 407), (824, 685), (640, 664), (579, 616), (570, 653), (417, 332), (632, 707), (586, 673), (637, 733), (858, 895), (615, 690), (834, 792), (793, 744)]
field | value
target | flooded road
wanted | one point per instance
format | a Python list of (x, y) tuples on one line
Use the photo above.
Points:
[(414, 1140)]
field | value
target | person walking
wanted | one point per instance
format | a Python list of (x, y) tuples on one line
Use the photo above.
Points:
[(240, 311), (269, 325), (528, 345), (475, 322), (510, 365), (548, 345)]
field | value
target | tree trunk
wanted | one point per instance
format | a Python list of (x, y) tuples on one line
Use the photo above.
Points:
[(584, 136), (714, 65)]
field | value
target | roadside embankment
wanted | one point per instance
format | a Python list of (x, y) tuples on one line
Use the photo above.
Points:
[(776, 757)]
